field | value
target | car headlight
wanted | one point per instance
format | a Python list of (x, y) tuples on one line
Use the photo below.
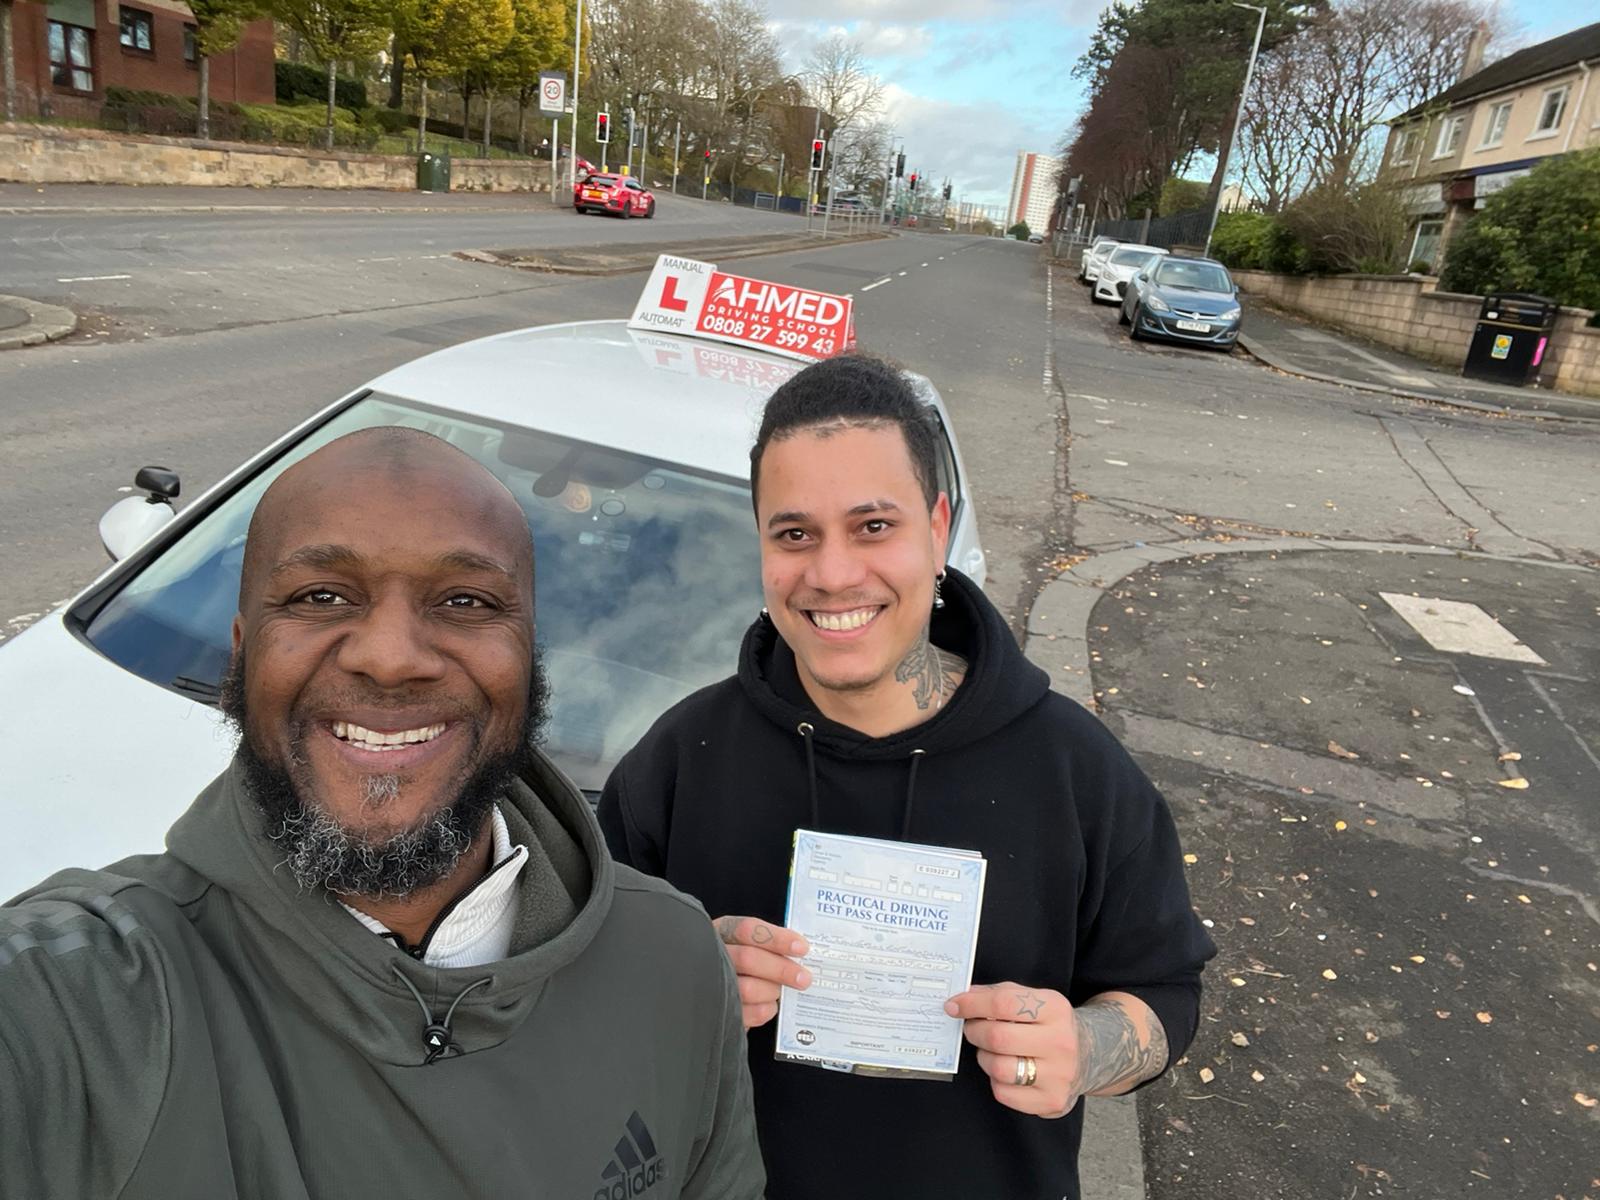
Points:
[(1156, 304), (1233, 314)]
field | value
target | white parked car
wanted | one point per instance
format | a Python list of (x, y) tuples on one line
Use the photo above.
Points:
[(1120, 266), (1094, 258), (629, 452)]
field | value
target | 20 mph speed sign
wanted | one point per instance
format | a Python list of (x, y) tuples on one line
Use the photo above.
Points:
[(552, 93)]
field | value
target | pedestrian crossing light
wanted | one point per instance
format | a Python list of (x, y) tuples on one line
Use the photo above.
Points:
[(817, 148), (602, 127)]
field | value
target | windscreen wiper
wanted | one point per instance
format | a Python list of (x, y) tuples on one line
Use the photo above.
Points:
[(198, 689)]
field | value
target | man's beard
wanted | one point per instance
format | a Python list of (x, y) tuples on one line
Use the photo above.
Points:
[(319, 852)]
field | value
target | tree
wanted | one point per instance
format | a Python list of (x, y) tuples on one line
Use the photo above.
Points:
[(1180, 195), (218, 25), (446, 39), (1020, 231), (1275, 155), (336, 30), (8, 66), (1541, 234), (538, 38)]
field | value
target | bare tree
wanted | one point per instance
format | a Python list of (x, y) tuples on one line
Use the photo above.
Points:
[(1274, 151), (838, 82)]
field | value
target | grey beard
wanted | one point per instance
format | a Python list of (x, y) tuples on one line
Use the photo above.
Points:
[(321, 853)]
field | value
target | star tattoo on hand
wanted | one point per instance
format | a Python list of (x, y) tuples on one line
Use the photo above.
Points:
[(1028, 1005)]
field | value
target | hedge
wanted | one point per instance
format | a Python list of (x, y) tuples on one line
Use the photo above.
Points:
[(1541, 234), (295, 80), (1251, 241)]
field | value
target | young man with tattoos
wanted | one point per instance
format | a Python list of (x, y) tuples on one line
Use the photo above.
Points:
[(881, 694)]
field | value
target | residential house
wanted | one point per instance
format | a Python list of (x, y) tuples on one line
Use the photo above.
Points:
[(69, 51), (1490, 128)]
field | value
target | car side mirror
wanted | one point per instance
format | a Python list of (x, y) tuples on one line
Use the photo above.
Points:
[(131, 521), (1144, 279)]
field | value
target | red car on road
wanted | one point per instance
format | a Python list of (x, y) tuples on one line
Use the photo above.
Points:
[(621, 195)]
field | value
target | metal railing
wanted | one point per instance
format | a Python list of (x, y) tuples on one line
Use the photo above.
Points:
[(1187, 228)]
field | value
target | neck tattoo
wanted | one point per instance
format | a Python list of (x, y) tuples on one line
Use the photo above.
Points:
[(933, 674)]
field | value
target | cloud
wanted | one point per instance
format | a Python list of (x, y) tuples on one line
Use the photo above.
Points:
[(972, 144)]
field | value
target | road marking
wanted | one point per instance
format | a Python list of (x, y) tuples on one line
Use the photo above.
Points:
[(194, 272), (902, 272), (924, 264), (1456, 627), (1115, 462), (91, 278), (879, 283)]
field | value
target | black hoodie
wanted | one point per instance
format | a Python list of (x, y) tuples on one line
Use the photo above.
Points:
[(1085, 889)]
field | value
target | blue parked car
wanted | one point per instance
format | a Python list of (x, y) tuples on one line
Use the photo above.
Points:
[(1183, 300)]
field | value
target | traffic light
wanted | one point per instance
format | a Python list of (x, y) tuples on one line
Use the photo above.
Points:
[(947, 191), (817, 147), (708, 155), (913, 181), (602, 127), (899, 165)]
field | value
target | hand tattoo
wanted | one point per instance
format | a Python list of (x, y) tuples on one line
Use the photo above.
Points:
[(933, 673), (1028, 1005), (1110, 1050), (761, 935), (727, 929)]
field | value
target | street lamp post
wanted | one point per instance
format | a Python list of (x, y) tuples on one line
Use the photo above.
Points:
[(577, 49), (1233, 141)]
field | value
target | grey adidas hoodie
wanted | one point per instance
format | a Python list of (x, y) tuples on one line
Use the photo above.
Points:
[(192, 1024)]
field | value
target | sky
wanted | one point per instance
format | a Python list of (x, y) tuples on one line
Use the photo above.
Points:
[(968, 83)]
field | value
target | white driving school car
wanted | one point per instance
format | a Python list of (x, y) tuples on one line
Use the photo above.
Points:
[(629, 450)]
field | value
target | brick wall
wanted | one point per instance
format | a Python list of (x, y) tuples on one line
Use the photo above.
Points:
[(1406, 312), (47, 154)]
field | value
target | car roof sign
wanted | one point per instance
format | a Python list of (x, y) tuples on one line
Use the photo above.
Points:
[(689, 297)]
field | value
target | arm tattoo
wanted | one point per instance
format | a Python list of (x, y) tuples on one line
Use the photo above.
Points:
[(933, 673), (1110, 1051)]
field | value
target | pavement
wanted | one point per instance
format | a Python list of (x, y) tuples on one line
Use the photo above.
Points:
[(22, 199), (1390, 834), (1299, 347), (26, 322)]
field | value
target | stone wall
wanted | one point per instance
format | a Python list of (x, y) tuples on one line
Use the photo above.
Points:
[(50, 154), (1406, 312)]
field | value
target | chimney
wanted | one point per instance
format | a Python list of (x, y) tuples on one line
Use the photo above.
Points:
[(1472, 63)]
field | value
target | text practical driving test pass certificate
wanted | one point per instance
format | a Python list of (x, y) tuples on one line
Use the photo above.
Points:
[(893, 927)]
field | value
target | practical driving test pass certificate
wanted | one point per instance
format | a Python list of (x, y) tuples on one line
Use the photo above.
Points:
[(892, 927)]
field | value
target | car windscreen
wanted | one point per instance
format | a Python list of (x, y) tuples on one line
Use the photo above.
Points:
[(600, 181), (1132, 258), (1204, 277), (647, 575)]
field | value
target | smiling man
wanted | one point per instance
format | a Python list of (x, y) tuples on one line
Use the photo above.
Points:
[(386, 953), (882, 695)]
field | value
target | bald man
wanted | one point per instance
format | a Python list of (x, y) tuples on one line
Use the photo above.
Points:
[(386, 953)]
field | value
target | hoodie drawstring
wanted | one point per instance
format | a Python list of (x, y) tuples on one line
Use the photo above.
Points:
[(807, 733), (805, 728), (911, 794), (436, 1034)]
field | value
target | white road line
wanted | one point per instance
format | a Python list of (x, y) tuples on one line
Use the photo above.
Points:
[(902, 272), (878, 283), (91, 278), (924, 264)]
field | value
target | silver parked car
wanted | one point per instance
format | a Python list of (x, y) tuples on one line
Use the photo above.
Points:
[(1094, 258), (1123, 263), (1184, 300)]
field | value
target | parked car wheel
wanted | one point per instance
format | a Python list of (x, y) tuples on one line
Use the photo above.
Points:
[(1122, 314), (650, 211), (1133, 325)]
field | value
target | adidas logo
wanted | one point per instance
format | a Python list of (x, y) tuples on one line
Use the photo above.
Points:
[(635, 1167)]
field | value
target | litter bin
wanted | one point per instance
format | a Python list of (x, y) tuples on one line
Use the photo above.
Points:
[(1510, 339), (433, 172)]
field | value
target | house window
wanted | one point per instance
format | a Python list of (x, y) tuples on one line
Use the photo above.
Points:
[(1405, 147), (1551, 110), (1449, 137), (190, 49), (71, 56), (1426, 246), (136, 30), (1495, 130)]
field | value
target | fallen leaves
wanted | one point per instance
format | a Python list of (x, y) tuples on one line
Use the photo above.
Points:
[(1586, 1101), (1239, 1039), (1207, 1074), (1330, 974), (1485, 1018), (1340, 752), (1510, 756), (1260, 1078), (1191, 859), (1518, 783)]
